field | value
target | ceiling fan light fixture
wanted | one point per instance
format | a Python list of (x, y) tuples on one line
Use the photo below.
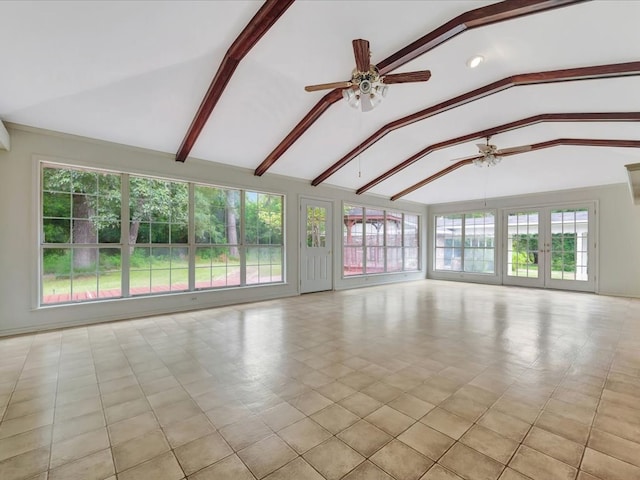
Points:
[(475, 61), (489, 160), (350, 96)]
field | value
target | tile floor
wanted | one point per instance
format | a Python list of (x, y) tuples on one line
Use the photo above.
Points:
[(420, 381)]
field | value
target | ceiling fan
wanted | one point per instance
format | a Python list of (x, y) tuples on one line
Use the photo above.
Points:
[(367, 87), (490, 156)]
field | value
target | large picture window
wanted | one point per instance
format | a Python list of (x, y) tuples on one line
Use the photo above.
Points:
[(236, 239), (465, 242), (379, 241)]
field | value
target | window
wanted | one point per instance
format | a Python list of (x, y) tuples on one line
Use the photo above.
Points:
[(465, 242), (379, 241), (237, 236)]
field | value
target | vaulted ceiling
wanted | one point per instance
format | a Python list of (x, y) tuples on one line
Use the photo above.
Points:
[(136, 72)]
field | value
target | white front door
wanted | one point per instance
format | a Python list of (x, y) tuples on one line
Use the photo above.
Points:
[(552, 247), (316, 245)]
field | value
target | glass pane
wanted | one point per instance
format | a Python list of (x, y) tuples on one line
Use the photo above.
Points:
[(264, 265), (353, 218), (316, 226), (140, 271), (448, 240), (56, 230), (522, 244), (56, 275), (411, 260), (393, 229), (84, 231), (353, 261), (109, 273), (569, 244), (56, 205), (394, 259), (217, 215), (479, 233), (56, 179), (263, 218), (375, 260)]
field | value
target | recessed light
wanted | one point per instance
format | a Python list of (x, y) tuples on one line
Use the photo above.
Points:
[(473, 62)]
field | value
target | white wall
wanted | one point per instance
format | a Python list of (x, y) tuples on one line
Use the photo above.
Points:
[(617, 229), (19, 225)]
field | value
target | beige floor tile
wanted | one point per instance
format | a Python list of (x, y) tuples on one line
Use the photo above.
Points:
[(505, 425), (463, 407), (360, 404), (230, 468), (25, 442), (517, 408), (30, 406), (586, 476), (618, 427), (335, 418), (489, 443), (310, 402), (333, 458), (606, 467), (25, 465), (540, 466), (185, 431), (139, 450), (427, 441), (304, 435), (245, 432), (571, 411), (470, 464), (367, 471), (298, 469), (175, 412), (266, 456), (280, 416), (167, 397), (438, 472), (15, 426), (430, 394), (202, 452), (132, 427), (125, 410), (555, 446), (389, 420), (78, 425), (120, 396), (82, 393), (400, 461), (564, 427), (411, 406), (336, 391), (77, 409), (73, 448), (163, 467), (97, 466), (446, 422), (382, 392), (228, 414), (511, 474), (357, 380), (364, 438), (615, 446)]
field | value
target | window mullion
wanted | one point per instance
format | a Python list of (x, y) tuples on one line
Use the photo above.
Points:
[(125, 247), (242, 242), (191, 236)]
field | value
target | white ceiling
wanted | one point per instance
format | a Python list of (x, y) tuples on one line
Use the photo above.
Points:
[(135, 73)]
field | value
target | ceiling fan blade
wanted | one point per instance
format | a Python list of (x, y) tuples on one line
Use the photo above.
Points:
[(362, 53), (507, 151), (409, 77), (470, 157), (327, 86)]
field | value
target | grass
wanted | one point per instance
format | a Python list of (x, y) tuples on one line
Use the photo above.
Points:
[(163, 274)]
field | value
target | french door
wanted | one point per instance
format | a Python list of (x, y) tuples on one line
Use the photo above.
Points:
[(316, 245), (551, 247)]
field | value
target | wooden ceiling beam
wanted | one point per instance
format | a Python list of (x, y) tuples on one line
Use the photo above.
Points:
[(580, 142), (478, 17), (538, 78), (261, 22), (524, 122)]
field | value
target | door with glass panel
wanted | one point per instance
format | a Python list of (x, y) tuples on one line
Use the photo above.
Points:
[(316, 260), (550, 247)]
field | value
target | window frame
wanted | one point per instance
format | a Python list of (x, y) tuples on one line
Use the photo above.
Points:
[(463, 242), (403, 248), (124, 244)]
